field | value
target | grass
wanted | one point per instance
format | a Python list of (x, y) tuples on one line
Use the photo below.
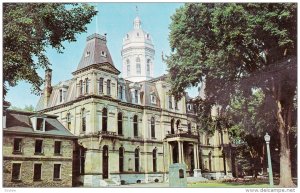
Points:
[(227, 185)]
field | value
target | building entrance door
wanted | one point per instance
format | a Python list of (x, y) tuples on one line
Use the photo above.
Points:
[(105, 162)]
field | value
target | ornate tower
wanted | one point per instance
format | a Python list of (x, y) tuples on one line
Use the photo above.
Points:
[(137, 54)]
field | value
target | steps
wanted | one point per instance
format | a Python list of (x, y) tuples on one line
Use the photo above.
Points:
[(108, 183)]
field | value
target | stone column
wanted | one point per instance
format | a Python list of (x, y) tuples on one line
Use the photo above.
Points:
[(182, 152), (195, 156), (179, 152)]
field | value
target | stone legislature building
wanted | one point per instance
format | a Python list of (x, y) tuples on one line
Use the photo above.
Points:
[(130, 129)]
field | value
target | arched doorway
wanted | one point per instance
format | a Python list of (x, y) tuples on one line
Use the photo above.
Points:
[(105, 162)]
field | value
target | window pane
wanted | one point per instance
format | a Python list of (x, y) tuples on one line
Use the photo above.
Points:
[(57, 147), (56, 174), (38, 146), (39, 124), (16, 171), (17, 144), (37, 172)]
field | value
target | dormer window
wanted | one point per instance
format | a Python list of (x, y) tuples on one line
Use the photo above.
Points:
[(60, 95), (148, 36), (153, 99), (103, 53), (120, 92), (40, 124), (87, 54)]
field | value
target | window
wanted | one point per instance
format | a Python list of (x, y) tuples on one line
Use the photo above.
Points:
[(135, 96), (81, 160), (37, 172), (69, 121), (57, 147), (207, 140), (138, 66), (172, 126), (87, 54), (176, 104), (177, 124), (154, 158), (16, 171), (209, 161), (189, 128), (153, 99), (83, 120), (40, 124), (120, 124), (56, 171), (38, 146), (108, 87), (128, 67), (121, 159), (135, 125), (152, 127), (127, 36), (86, 85), (120, 92), (17, 145), (104, 119), (148, 67), (170, 102), (137, 160), (80, 87), (100, 85), (138, 34), (103, 54), (60, 95)]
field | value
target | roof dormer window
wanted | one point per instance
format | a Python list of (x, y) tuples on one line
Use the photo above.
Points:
[(87, 54), (103, 53), (148, 36), (153, 99)]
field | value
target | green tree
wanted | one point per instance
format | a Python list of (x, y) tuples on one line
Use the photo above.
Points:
[(29, 108), (30, 28), (235, 49)]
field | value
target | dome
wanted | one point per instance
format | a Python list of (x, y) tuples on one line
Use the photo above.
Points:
[(137, 37)]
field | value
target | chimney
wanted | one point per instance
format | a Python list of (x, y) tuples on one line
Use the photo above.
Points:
[(48, 87), (6, 105)]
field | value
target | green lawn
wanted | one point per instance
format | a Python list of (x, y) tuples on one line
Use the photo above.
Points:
[(227, 185)]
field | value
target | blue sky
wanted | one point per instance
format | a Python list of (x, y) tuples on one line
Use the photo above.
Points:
[(115, 19)]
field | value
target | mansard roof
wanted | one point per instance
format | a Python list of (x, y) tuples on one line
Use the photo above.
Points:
[(18, 122), (95, 52)]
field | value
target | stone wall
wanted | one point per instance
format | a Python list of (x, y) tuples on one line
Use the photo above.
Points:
[(27, 158)]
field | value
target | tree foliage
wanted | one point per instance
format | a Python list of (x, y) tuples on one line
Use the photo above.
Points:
[(237, 49), (30, 28)]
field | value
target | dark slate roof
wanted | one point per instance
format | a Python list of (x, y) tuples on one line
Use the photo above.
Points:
[(95, 46), (19, 121)]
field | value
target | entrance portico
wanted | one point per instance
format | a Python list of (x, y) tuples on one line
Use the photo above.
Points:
[(183, 148)]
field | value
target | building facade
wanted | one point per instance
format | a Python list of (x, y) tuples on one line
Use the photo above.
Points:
[(130, 129), (37, 151)]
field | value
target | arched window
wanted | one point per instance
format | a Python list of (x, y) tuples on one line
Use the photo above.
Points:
[(100, 85), (69, 121), (207, 140), (120, 92), (209, 161), (128, 67), (152, 127), (108, 87), (189, 128), (148, 67), (177, 124), (154, 158), (82, 159), (86, 85), (120, 124), (135, 125), (83, 120), (172, 126), (137, 160), (80, 87), (121, 159), (138, 65), (170, 102), (104, 119)]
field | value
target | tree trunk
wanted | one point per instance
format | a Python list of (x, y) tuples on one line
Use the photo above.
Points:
[(285, 161)]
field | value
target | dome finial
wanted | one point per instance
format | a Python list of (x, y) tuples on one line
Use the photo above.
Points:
[(137, 10), (137, 21)]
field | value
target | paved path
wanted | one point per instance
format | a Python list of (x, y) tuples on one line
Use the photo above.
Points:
[(148, 185)]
